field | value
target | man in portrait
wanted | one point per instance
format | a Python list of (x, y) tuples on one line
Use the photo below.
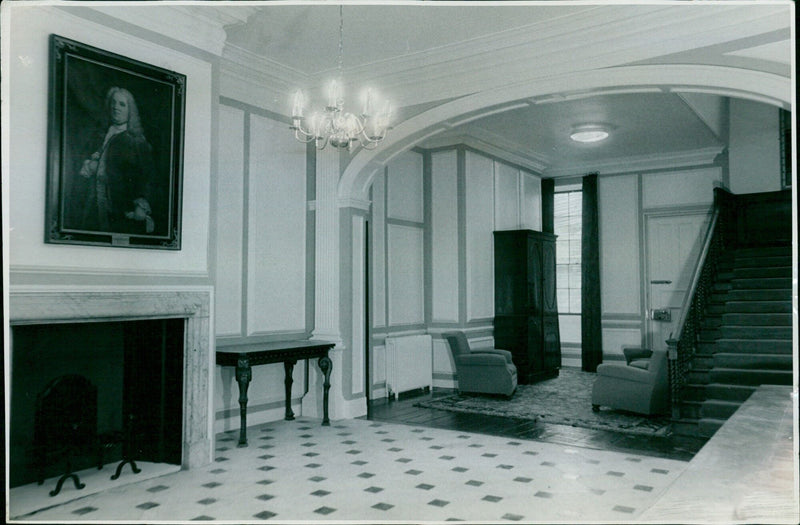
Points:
[(119, 173)]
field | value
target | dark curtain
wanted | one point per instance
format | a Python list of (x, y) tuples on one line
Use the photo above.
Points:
[(548, 217), (591, 331)]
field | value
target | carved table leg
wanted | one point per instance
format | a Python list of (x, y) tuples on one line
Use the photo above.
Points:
[(288, 366), (243, 376), (325, 364)]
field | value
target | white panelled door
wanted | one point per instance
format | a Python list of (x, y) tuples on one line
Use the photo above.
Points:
[(673, 244)]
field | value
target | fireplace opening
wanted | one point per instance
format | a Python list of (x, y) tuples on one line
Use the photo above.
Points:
[(137, 369)]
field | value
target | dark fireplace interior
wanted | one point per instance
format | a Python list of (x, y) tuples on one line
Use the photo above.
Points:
[(136, 368)]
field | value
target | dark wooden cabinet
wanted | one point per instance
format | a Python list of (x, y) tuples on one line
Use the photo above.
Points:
[(526, 313)]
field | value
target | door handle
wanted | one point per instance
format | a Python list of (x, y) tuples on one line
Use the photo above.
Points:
[(662, 314), (660, 281)]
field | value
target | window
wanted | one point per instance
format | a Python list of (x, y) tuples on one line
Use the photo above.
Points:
[(567, 214)]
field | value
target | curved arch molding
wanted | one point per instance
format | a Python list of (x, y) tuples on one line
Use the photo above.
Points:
[(725, 81)]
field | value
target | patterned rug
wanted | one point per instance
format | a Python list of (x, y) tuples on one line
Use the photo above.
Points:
[(563, 400)]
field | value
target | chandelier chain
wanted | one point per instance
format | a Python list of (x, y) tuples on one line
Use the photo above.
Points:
[(341, 41)]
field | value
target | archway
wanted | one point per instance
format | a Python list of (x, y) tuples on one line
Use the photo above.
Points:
[(356, 180), (726, 81)]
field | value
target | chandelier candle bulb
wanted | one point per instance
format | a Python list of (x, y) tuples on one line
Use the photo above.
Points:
[(367, 100), (297, 109), (334, 94)]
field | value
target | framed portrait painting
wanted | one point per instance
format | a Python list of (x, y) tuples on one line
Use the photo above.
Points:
[(115, 150)]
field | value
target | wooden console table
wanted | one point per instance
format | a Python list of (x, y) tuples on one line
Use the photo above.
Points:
[(286, 352)]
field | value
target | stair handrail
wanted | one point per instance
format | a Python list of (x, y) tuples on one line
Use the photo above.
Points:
[(682, 349)]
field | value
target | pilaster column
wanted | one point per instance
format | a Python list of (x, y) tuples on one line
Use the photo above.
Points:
[(326, 270), (326, 288)]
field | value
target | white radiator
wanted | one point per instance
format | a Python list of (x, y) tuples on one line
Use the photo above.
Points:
[(409, 363)]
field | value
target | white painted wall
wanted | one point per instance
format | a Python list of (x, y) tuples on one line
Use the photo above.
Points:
[(276, 295), (621, 250), (444, 233), (406, 275), (480, 216), (618, 210), (405, 187), (506, 197), (531, 198), (680, 188), (754, 151), (230, 222), (260, 273), (27, 153), (405, 240)]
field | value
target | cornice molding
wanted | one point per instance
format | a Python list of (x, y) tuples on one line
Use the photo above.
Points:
[(588, 40), (496, 147), (178, 22), (359, 204), (700, 157)]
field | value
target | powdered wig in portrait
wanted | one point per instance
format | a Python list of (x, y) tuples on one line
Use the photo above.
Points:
[(134, 122)]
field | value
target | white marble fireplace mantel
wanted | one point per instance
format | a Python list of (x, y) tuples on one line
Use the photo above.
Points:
[(45, 305)]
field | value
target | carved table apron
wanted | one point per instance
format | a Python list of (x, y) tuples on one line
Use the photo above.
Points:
[(287, 352)]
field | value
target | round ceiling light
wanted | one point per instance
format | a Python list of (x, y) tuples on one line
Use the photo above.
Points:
[(589, 134)]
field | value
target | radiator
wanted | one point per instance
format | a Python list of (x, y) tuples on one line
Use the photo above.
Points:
[(409, 363)]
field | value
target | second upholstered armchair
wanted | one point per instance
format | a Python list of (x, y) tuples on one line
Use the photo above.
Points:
[(483, 370), (641, 385)]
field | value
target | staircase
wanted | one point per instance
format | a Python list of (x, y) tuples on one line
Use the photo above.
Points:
[(745, 337)]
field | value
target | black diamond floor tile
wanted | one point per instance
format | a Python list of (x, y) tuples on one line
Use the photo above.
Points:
[(157, 488), (84, 510), (147, 505), (207, 501), (265, 515), (324, 510), (382, 506)]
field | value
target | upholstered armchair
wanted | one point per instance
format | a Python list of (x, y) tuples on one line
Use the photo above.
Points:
[(638, 357), (641, 385), (483, 370)]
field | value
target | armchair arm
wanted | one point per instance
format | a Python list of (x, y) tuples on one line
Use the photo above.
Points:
[(624, 372), (632, 353), (475, 359), (493, 351)]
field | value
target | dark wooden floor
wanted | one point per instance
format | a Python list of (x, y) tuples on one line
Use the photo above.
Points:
[(404, 411)]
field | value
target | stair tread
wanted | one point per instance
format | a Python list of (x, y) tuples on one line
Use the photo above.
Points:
[(751, 370), (739, 355), (723, 402)]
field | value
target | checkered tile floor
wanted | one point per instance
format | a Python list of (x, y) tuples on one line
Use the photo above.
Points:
[(359, 470)]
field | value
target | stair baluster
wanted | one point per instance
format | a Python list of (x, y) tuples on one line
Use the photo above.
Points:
[(683, 348)]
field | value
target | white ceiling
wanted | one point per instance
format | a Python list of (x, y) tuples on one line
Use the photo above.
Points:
[(307, 36), (421, 48)]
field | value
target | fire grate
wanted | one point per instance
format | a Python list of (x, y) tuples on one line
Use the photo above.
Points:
[(65, 426)]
